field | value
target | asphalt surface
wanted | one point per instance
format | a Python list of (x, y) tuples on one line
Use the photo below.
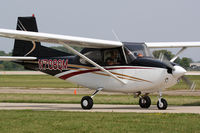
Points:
[(97, 108)]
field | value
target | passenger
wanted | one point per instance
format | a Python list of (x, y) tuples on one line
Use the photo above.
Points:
[(113, 59), (110, 61)]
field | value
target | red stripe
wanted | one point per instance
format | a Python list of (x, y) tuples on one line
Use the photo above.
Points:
[(95, 70)]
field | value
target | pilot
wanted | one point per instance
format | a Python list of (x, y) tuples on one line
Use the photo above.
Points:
[(140, 55)]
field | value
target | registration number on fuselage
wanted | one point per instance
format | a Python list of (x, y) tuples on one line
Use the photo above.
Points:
[(53, 64)]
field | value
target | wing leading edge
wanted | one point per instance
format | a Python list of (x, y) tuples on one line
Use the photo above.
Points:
[(172, 44), (59, 39)]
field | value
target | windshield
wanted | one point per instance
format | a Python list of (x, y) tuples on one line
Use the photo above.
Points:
[(137, 50)]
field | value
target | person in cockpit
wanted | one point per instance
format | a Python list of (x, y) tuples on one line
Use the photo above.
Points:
[(113, 59)]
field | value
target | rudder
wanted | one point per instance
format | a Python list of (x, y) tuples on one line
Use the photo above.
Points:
[(31, 48), (26, 48)]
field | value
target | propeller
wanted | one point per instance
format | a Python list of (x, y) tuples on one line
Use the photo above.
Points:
[(178, 71), (190, 83), (164, 59)]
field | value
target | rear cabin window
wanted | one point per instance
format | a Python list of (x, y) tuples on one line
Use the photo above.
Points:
[(105, 57), (95, 56), (112, 57)]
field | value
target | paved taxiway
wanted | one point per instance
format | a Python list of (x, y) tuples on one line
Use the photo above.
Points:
[(97, 108)]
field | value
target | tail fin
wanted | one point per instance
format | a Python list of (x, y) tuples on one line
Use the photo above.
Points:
[(31, 48)]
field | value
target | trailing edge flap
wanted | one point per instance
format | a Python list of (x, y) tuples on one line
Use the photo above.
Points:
[(16, 58)]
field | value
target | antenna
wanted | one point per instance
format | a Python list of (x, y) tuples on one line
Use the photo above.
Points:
[(117, 38)]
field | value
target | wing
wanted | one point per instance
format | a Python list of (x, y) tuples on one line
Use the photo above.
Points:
[(11, 58), (172, 44), (58, 39), (65, 41)]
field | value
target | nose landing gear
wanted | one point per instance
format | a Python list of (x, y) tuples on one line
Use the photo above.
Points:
[(162, 103)]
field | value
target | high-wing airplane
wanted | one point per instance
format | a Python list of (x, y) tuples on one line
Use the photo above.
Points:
[(102, 65)]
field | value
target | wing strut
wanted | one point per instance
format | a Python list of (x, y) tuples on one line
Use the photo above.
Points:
[(176, 56), (93, 63)]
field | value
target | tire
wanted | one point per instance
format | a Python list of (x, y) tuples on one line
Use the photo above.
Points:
[(86, 102), (164, 104), (145, 102)]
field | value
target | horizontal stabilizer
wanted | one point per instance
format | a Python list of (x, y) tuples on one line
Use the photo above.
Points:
[(13, 58)]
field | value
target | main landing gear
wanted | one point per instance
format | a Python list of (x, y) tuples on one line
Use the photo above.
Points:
[(145, 101), (87, 101)]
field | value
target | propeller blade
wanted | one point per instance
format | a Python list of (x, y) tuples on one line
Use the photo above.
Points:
[(164, 59), (191, 84)]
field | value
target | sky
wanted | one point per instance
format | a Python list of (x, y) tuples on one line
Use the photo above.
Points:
[(132, 20)]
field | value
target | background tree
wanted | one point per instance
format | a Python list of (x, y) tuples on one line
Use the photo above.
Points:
[(7, 65), (184, 62)]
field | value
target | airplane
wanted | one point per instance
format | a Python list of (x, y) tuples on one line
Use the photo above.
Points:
[(102, 65)]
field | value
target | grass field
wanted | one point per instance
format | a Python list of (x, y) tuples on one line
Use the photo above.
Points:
[(34, 81), (28, 121), (99, 99), (182, 85), (46, 81), (43, 81), (65, 122)]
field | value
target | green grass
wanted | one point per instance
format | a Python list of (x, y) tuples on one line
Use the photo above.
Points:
[(34, 81), (65, 122), (46, 81), (99, 99), (182, 85)]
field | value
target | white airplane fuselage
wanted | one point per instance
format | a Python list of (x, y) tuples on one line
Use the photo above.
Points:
[(144, 79)]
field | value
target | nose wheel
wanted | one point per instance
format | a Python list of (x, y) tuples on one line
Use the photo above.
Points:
[(162, 104), (145, 102)]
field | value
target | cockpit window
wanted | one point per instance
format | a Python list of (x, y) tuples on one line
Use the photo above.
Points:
[(104, 57), (95, 55), (129, 55), (112, 57), (138, 49)]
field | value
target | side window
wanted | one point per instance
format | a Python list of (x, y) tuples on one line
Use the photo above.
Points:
[(129, 55), (112, 57), (95, 56)]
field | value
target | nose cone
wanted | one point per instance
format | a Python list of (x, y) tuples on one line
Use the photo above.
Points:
[(179, 71)]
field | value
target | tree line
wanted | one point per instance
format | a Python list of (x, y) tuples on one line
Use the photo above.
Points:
[(184, 62)]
